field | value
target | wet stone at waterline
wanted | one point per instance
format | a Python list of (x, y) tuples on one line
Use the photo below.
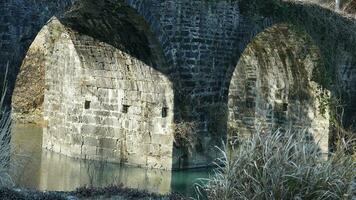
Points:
[(48, 171)]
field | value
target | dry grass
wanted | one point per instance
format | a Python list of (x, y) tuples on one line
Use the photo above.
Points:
[(5, 128), (5, 125), (281, 166)]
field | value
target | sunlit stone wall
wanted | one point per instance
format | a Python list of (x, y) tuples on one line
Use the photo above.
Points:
[(101, 103), (272, 87)]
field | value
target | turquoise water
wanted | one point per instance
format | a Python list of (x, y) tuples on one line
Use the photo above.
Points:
[(40, 169)]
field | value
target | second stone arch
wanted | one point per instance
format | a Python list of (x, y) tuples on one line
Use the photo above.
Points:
[(273, 87)]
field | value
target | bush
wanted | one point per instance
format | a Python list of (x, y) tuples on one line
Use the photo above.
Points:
[(281, 166), (184, 136)]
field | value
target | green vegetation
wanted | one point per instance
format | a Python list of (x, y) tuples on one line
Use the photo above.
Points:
[(281, 166)]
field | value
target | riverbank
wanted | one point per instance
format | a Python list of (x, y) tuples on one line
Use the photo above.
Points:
[(85, 193)]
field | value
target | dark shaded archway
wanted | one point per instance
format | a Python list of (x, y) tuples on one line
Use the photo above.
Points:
[(120, 25)]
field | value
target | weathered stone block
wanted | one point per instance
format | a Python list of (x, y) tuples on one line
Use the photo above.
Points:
[(90, 141), (108, 143), (162, 139), (88, 150)]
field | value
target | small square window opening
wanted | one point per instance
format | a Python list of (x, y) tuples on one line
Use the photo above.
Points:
[(87, 105), (164, 112), (125, 108), (285, 106)]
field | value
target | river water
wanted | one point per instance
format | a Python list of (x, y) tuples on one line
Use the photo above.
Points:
[(40, 169)]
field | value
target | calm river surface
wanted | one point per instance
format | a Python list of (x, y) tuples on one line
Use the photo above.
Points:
[(44, 170)]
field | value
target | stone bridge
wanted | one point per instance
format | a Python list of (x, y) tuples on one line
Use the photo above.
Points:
[(161, 83)]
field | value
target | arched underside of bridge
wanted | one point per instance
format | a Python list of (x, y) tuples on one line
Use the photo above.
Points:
[(202, 61), (272, 86), (94, 80)]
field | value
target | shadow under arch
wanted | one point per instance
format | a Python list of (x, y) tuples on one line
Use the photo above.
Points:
[(273, 87), (97, 36), (122, 26)]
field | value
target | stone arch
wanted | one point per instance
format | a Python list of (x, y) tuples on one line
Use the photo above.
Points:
[(273, 86), (336, 40), (140, 15), (101, 84)]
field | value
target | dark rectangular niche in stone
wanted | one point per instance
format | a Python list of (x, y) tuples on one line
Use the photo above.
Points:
[(285, 107), (250, 103), (125, 108), (164, 112), (87, 105)]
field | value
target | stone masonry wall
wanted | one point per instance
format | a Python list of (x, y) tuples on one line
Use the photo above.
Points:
[(202, 42), (273, 88), (197, 48), (101, 103)]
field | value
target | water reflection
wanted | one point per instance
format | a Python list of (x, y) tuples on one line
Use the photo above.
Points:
[(74, 173), (44, 170)]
